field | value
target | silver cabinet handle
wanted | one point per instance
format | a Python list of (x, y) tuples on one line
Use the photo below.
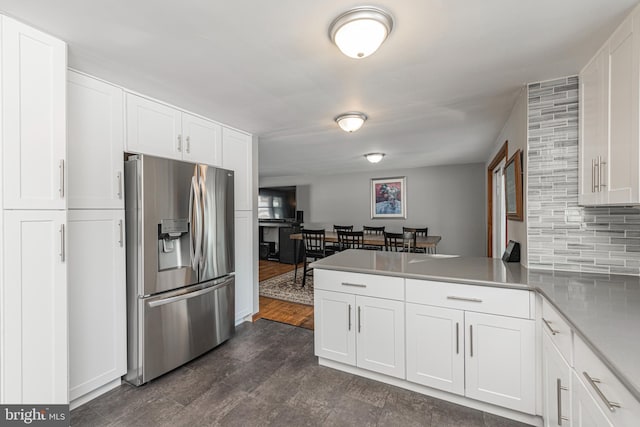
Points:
[(600, 170), (356, 285), (594, 383), (119, 185), (464, 299), (359, 322), (61, 167), (188, 144), (559, 389), (597, 174), (553, 331), (349, 316), (179, 142), (593, 175), (471, 340), (457, 338), (121, 241), (62, 245)]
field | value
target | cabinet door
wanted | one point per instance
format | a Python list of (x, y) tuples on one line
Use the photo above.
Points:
[(335, 328), (96, 143), (622, 169), (97, 304), (584, 409), (556, 382), (202, 140), (153, 128), (34, 308), (435, 347), (237, 156), (594, 126), (500, 360), (245, 265), (34, 67), (380, 335)]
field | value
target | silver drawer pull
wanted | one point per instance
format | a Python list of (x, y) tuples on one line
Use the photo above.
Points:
[(553, 331), (464, 299), (594, 383), (357, 285)]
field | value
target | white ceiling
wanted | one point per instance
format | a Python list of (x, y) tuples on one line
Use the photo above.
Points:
[(437, 92)]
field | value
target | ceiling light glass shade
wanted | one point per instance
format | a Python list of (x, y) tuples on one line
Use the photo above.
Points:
[(351, 122), (359, 32), (374, 157)]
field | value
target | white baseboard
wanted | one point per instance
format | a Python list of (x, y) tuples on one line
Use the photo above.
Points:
[(93, 394), (449, 397)]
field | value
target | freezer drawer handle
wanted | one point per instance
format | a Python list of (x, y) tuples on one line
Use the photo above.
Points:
[(188, 295), (594, 383)]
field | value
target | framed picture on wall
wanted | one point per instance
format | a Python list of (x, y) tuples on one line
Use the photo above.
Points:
[(513, 187), (388, 197)]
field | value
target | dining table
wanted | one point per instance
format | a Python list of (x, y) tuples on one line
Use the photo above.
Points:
[(428, 243)]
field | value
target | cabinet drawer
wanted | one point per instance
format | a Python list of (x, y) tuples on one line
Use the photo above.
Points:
[(362, 284), (484, 299), (558, 330), (610, 388)]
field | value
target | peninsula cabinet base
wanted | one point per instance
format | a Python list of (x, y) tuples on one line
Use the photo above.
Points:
[(453, 398)]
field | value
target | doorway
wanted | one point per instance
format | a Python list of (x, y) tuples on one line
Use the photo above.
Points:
[(496, 208)]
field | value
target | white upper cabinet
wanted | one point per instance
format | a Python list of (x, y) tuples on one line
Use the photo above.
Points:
[(237, 155), (95, 143), (160, 130), (202, 141), (153, 128), (34, 67), (609, 108)]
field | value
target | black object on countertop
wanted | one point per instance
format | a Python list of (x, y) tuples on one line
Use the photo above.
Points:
[(512, 252)]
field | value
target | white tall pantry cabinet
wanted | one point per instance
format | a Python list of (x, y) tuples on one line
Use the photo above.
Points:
[(33, 286), (96, 236)]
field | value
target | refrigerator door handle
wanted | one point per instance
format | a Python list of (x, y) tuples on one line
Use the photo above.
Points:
[(195, 243)]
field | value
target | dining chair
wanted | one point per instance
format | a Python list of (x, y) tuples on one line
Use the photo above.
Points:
[(335, 247), (373, 231), (400, 242), (350, 240), (420, 232), (314, 247)]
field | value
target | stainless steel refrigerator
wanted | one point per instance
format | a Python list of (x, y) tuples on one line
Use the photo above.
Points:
[(180, 263)]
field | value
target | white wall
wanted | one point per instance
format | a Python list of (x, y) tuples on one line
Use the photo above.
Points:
[(515, 131), (447, 199)]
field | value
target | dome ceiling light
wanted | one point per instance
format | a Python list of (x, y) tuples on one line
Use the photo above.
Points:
[(351, 121), (374, 157), (359, 32)]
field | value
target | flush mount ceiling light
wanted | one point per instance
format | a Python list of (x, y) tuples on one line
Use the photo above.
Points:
[(359, 32), (351, 121), (374, 157)]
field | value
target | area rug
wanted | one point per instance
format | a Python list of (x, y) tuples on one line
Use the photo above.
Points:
[(282, 287)]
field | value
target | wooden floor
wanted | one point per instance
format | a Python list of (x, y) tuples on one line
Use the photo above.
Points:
[(278, 310)]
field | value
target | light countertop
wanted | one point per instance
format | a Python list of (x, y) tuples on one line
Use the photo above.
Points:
[(603, 309)]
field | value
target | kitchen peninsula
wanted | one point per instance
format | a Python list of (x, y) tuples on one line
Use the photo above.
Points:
[(484, 333)]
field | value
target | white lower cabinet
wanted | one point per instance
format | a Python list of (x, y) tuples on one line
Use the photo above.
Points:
[(435, 347), (556, 379), (362, 331), (244, 263), (97, 300), (584, 409), (34, 308), (500, 360)]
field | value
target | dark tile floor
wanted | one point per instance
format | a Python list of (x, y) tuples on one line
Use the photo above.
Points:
[(267, 375)]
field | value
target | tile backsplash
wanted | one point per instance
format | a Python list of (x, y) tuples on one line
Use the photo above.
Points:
[(561, 234)]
